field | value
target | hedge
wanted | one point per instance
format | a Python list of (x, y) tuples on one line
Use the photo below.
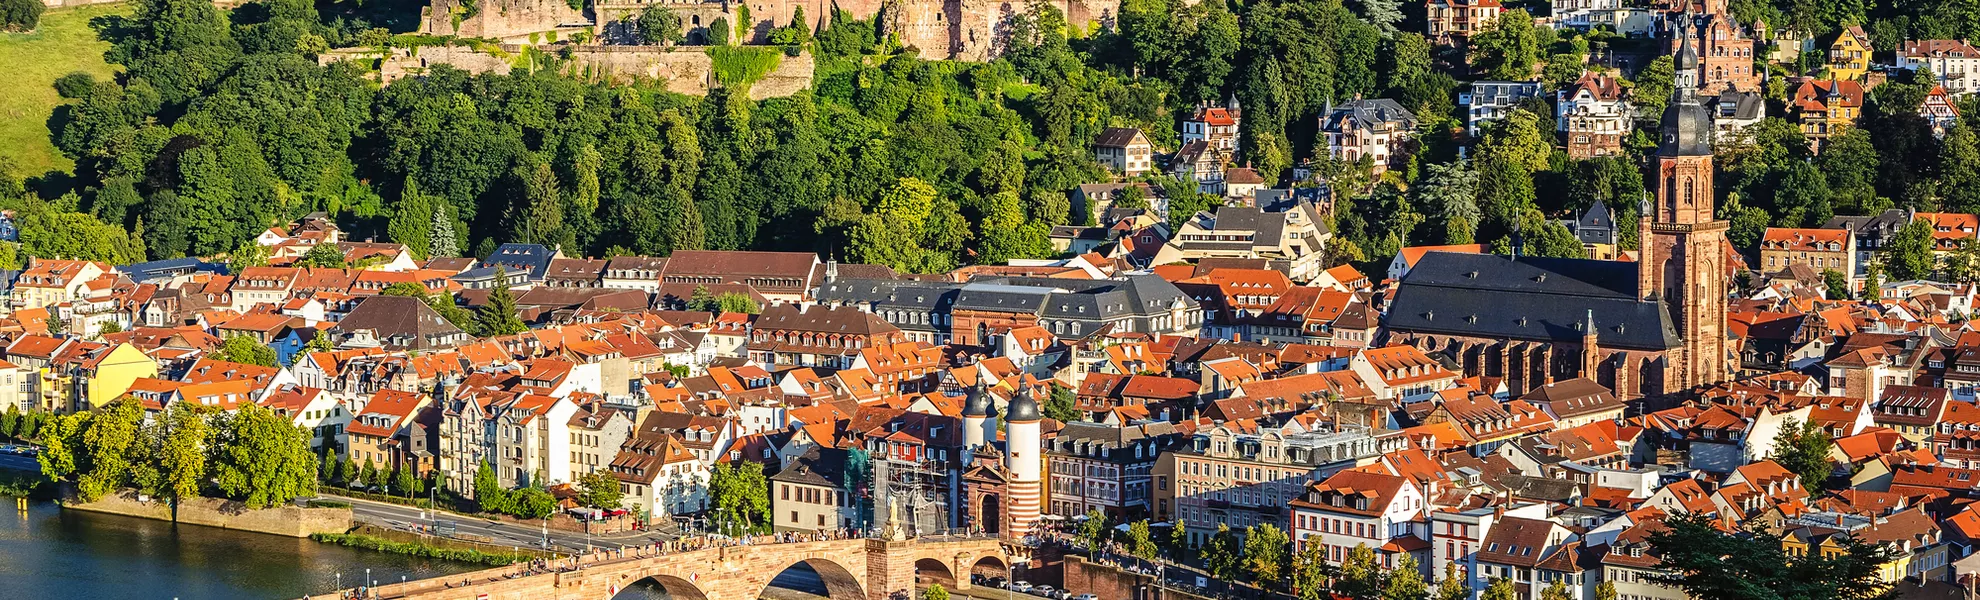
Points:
[(418, 549)]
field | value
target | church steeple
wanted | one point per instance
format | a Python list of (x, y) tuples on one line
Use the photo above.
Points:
[(1591, 349), (1683, 247)]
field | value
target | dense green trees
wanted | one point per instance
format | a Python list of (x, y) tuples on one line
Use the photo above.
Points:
[(260, 458), (1803, 449), (1707, 562), (245, 350), (224, 124), (251, 455), (1510, 48), (20, 15)]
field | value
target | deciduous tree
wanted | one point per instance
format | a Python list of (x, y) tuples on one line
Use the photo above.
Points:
[(1802, 447), (260, 458), (600, 490), (1405, 582), (741, 497), (1265, 548), (1696, 556), (1140, 541), (245, 350)]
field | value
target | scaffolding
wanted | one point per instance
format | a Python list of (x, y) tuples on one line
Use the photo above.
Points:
[(918, 491)]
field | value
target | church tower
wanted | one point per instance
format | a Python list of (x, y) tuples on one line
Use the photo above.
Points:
[(1683, 248)]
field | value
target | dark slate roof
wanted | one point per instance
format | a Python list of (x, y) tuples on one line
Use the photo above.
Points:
[(1872, 227), (146, 272), (857, 291), (1531, 299), (394, 316), (1002, 298), (1595, 225), (1743, 106), (1278, 200), (1269, 227), (1377, 114), (533, 257), (1116, 137), (817, 466)]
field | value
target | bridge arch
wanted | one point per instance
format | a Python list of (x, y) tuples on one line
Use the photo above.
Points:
[(990, 564), (929, 569), (840, 582), (676, 588)]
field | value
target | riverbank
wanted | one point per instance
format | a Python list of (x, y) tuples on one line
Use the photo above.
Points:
[(289, 521), (368, 538)]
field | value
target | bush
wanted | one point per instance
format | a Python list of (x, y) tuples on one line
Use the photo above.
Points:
[(738, 65), (20, 15), (412, 502), (74, 85), (718, 32), (420, 550)]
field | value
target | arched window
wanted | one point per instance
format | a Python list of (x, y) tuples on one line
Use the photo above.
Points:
[(1688, 189)]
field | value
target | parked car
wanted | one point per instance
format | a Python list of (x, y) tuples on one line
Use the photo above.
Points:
[(1086, 597), (1044, 590), (1020, 586)]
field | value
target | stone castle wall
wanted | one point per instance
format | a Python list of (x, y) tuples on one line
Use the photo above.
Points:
[(685, 70), (225, 514), (499, 19), (953, 29)]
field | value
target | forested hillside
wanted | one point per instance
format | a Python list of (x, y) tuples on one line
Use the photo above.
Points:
[(224, 124)]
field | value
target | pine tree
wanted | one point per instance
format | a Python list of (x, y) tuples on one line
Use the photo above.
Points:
[(542, 218), (442, 240), (497, 317), (409, 224)]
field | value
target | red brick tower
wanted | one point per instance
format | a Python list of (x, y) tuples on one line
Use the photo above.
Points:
[(1683, 255)]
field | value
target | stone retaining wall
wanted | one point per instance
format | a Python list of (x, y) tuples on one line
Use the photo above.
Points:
[(289, 521), (685, 70)]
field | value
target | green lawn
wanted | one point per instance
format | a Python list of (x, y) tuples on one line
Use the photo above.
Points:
[(64, 44)]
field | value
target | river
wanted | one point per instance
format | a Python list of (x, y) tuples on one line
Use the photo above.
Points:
[(47, 552)]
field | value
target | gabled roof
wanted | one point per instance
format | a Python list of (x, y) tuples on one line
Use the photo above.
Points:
[(1539, 299), (1116, 137), (1517, 541)]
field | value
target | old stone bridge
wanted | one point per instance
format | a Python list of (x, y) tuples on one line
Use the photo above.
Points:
[(853, 569)]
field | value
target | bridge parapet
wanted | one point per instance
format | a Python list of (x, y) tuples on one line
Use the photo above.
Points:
[(852, 569)]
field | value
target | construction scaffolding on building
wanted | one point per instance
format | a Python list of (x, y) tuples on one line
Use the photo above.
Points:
[(917, 492)]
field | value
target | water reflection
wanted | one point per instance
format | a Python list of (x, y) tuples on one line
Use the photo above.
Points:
[(47, 552)]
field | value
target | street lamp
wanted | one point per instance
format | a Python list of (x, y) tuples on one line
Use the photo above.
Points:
[(367, 579)]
